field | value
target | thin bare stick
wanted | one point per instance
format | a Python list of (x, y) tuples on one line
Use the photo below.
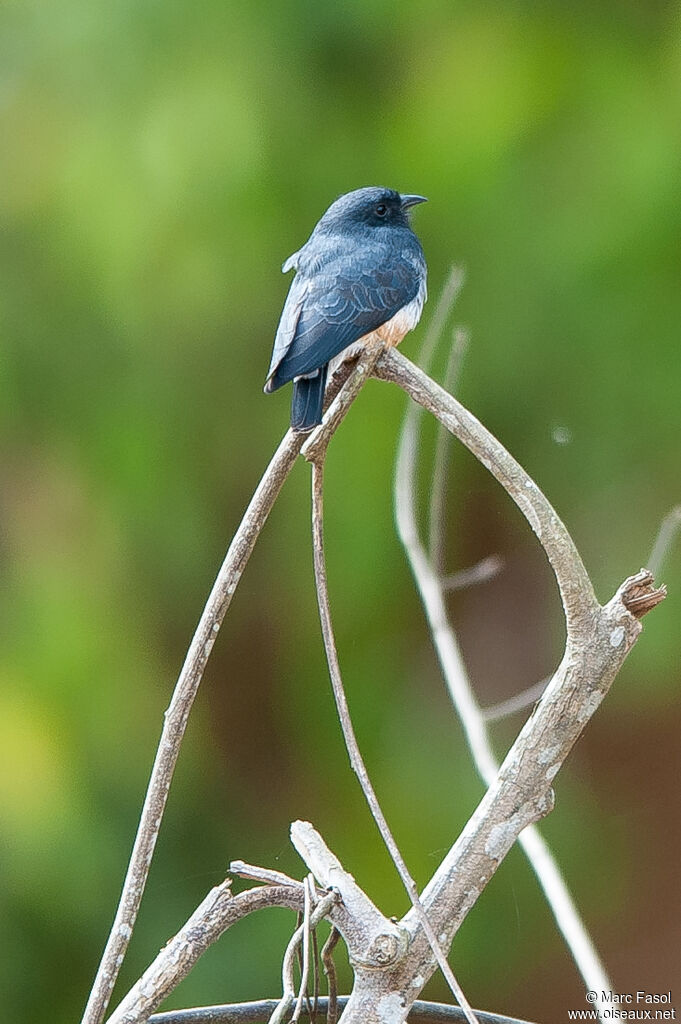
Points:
[(288, 998), (177, 714), (483, 571), (258, 874), (669, 529), (488, 567), (305, 968), (176, 718), (438, 487), (522, 700), (576, 590), (356, 760), (315, 989), (313, 935), (451, 290), (330, 971)]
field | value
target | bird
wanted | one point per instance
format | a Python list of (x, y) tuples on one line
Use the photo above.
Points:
[(361, 272)]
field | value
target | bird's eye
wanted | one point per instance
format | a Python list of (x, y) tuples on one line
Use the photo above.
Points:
[(381, 209)]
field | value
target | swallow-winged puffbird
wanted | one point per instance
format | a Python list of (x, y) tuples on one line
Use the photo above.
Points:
[(361, 271)]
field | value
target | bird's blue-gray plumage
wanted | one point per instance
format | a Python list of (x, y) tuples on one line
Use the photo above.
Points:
[(360, 267)]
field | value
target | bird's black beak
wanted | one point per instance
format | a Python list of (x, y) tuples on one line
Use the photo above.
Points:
[(408, 201)]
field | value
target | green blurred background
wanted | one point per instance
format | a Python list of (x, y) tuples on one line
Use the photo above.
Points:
[(158, 163)]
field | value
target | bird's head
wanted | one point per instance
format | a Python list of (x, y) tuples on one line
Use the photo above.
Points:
[(369, 207)]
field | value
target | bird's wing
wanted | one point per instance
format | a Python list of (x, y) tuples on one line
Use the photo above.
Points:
[(287, 325), (337, 310)]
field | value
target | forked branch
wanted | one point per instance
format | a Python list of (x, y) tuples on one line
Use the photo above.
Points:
[(598, 640)]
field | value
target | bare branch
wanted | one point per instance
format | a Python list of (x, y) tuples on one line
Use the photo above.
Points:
[(473, 718), (390, 974), (356, 760), (176, 718), (576, 591), (598, 641), (330, 972), (283, 1007), (307, 943), (258, 874), (177, 714), (438, 486), (483, 571), (445, 304), (313, 918), (209, 921), (518, 702), (315, 985)]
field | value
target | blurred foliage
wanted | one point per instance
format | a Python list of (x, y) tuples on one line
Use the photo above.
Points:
[(159, 162)]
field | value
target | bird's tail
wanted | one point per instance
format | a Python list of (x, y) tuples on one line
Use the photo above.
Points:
[(308, 401)]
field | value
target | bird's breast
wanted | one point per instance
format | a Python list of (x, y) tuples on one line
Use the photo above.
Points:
[(393, 331)]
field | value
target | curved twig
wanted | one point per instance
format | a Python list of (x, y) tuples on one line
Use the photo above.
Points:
[(331, 976), (311, 920), (177, 714), (518, 702), (356, 759), (576, 590), (438, 489), (307, 943), (488, 568), (472, 717), (175, 722), (218, 912), (598, 641)]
